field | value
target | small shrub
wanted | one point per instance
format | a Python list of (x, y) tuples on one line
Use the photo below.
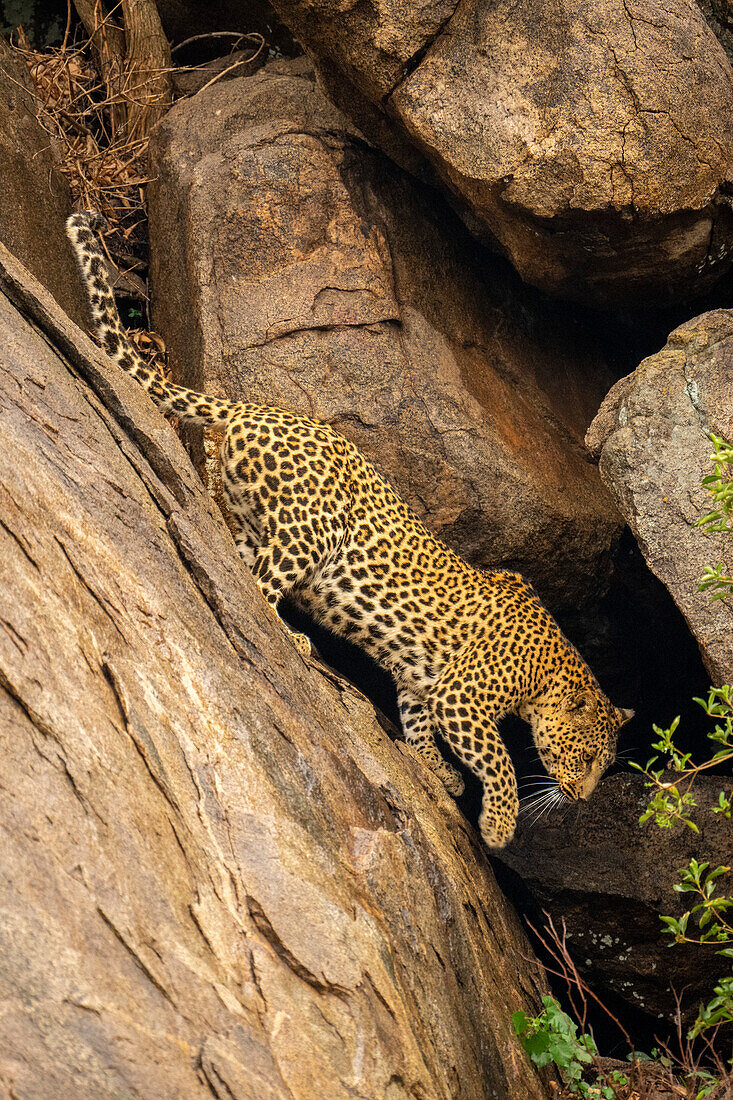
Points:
[(552, 1037)]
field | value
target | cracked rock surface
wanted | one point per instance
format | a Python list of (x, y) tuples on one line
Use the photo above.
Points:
[(220, 875), (294, 264), (593, 142), (651, 436)]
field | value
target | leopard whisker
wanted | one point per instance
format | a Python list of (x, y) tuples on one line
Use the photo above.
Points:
[(531, 795), (543, 806), (534, 816), (536, 796), (546, 784), (539, 815), (535, 811)]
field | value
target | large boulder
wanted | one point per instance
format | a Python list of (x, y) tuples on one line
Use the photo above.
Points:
[(35, 198), (608, 879), (593, 142), (293, 264), (652, 438), (220, 876)]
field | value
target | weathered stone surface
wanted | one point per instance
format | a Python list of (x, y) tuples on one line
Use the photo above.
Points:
[(719, 16), (609, 878), (35, 198), (220, 876), (296, 266), (375, 45), (651, 435), (593, 142)]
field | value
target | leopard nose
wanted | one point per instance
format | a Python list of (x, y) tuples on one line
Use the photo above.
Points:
[(589, 785)]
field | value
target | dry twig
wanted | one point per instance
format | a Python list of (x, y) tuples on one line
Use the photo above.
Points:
[(555, 944), (105, 173)]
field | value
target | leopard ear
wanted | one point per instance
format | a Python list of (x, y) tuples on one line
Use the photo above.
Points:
[(582, 702), (624, 715)]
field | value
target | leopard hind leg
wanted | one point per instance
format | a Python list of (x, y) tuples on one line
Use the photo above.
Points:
[(276, 574), (417, 725), (294, 554)]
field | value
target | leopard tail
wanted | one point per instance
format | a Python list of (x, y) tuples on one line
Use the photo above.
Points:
[(83, 231)]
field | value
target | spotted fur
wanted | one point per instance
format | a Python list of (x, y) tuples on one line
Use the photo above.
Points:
[(465, 646)]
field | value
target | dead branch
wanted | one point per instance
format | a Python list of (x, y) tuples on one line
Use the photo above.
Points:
[(148, 62), (109, 46), (134, 63), (555, 944)]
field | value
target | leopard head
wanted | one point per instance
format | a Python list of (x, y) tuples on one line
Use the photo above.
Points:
[(575, 732)]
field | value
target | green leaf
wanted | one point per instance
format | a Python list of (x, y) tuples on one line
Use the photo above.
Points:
[(537, 1043), (520, 1022)]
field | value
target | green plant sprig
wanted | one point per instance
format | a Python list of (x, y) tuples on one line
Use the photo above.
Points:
[(709, 912), (672, 800), (672, 797), (552, 1037), (717, 579)]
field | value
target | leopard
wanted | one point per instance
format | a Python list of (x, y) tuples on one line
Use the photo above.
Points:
[(317, 523)]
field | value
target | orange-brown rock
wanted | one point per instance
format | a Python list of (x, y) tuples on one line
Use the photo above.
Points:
[(593, 143), (293, 264), (220, 875)]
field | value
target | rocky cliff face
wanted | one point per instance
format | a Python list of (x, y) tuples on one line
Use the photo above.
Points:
[(222, 874), (221, 877)]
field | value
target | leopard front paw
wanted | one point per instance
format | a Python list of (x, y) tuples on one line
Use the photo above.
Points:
[(302, 643), (496, 828)]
